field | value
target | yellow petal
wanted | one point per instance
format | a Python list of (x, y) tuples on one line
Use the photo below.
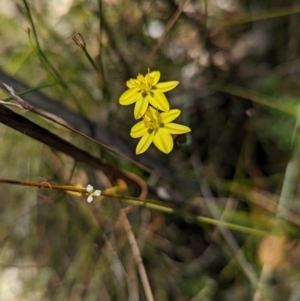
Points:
[(121, 186), (79, 193), (138, 130), (156, 76), (163, 141), (131, 83), (140, 108), (129, 97), (167, 117), (143, 144), (151, 110), (174, 128), (159, 101), (166, 86)]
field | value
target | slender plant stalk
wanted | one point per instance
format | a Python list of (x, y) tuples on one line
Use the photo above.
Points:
[(44, 60), (25, 105), (255, 97), (148, 203), (285, 203), (137, 257), (169, 26), (231, 242)]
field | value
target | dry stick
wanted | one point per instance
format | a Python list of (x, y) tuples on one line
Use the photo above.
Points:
[(168, 28), (29, 128), (28, 107), (36, 97), (72, 188), (137, 257)]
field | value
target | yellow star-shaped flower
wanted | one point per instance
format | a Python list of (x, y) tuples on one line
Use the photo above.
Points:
[(156, 127), (145, 90)]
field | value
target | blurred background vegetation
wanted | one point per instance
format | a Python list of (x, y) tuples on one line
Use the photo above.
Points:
[(238, 66)]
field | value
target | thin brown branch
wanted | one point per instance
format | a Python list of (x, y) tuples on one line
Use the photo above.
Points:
[(28, 107), (29, 128), (137, 256), (169, 26)]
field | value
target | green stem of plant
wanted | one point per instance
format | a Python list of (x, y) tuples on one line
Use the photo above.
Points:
[(151, 204)]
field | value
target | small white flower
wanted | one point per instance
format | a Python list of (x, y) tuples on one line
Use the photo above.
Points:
[(92, 193)]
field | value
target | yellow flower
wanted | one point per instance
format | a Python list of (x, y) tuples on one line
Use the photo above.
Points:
[(157, 128), (146, 89)]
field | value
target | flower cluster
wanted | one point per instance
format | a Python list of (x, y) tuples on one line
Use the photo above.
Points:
[(153, 107), (92, 193)]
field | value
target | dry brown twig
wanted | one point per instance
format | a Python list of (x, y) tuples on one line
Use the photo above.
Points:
[(137, 255)]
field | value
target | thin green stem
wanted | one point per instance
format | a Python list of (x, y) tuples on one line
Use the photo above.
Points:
[(254, 96), (98, 68), (44, 60), (151, 204), (284, 204), (224, 229), (37, 88)]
